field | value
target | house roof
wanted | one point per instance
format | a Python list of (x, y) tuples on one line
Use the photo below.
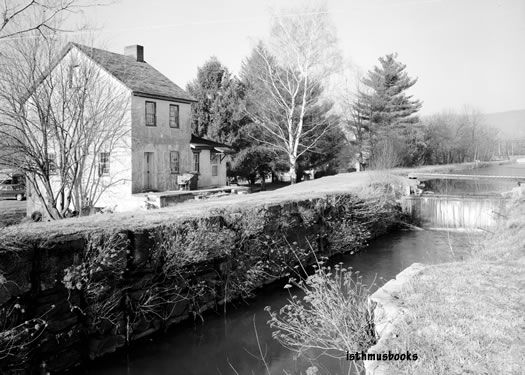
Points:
[(139, 77), (199, 143)]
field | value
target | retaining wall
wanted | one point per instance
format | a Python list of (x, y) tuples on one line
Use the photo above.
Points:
[(388, 313)]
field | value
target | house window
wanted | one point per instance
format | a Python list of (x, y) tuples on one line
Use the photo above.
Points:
[(174, 162), (103, 164), (174, 116), (74, 76), (214, 160), (52, 163), (151, 114), (196, 162)]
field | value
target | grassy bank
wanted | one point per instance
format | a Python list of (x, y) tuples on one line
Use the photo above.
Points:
[(366, 185), (467, 317)]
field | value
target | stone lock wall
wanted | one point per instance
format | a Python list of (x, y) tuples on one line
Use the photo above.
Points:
[(66, 300)]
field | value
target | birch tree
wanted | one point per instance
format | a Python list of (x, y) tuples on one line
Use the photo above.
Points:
[(287, 72)]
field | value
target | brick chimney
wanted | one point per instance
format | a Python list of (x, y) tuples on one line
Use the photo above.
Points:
[(135, 51)]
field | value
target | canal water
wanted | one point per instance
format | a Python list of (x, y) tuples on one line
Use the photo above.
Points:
[(232, 343), (460, 187)]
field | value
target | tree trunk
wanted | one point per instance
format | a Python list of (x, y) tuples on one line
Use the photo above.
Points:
[(293, 175), (292, 172), (263, 181)]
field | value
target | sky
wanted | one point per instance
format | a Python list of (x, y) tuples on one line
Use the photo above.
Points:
[(463, 52)]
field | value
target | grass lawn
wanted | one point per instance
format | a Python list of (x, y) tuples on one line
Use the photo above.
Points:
[(11, 212), (468, 317)]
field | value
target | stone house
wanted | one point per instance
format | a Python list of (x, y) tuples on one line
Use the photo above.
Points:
[(159, 152)]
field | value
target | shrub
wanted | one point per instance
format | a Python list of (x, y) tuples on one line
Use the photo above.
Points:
[(348, 236), (96, 278), (191, 242), (333, 316)]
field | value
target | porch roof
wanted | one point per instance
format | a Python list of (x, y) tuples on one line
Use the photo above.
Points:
[(199, 143)]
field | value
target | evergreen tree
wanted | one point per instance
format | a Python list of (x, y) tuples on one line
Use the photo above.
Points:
[(324, 155), (386, 110), (219, 111), (386, 105)]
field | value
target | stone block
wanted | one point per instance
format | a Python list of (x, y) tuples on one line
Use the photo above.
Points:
[(56, 257), (142, 243), (15, 273)]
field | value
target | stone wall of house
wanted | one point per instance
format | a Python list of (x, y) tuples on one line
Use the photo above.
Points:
[(159, 140), (64, 300)]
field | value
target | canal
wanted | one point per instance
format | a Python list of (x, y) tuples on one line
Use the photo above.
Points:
[(471, 187), (232, 342)]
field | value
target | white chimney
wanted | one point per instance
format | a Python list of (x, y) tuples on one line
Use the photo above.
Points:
[(135, 51)]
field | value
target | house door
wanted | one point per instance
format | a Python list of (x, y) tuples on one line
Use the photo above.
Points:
[(148, 170)]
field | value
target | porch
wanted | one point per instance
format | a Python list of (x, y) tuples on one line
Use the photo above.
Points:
[(171, 198)]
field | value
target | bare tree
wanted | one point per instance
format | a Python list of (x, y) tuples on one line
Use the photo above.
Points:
[(299, 55), (59, 112), (19, 18), (454, 137)]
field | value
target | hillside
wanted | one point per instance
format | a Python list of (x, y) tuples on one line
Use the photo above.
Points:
[(510, 123)]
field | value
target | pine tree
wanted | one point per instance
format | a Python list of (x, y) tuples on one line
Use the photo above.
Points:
[(385, 104), (386, 110), (219, 110)]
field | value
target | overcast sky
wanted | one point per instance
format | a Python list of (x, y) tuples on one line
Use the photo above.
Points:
[(464, 52)]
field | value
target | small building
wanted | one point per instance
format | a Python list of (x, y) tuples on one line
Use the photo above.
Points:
[(209, 161), (159, 151)]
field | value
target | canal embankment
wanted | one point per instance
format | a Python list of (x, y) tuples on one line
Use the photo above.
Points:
[(459, 317), (77, 289)]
